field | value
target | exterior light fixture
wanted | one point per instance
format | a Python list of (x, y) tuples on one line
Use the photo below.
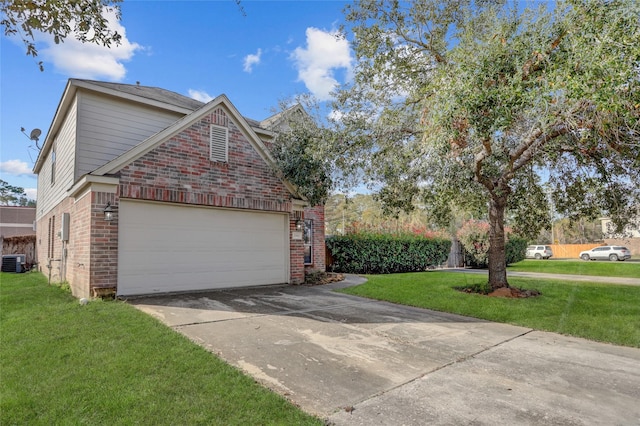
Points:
[(298, 224), (108, 212)]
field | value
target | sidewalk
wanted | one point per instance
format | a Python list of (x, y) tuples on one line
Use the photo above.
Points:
[(565, 277)]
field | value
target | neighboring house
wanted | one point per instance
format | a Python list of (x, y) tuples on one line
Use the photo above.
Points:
[(17, 220), (630, 237), (630, 231), (196, 200), (17, 232)]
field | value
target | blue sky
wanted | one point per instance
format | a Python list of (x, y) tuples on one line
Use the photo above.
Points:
[(276, 50)]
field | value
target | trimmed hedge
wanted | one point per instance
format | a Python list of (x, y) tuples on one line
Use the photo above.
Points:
[(385, 254), (515, 250)]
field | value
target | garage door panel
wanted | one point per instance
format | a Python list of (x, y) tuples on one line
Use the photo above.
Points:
[(148, 262), (164, 247)]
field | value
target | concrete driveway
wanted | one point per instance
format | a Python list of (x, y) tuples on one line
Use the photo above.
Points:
[(355, 361)]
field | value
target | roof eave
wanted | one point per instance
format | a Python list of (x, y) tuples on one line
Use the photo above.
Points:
[(69, 95)]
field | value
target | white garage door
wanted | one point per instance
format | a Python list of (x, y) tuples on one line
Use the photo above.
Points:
[(167, 247)]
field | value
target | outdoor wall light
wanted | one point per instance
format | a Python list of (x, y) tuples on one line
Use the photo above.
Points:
[(108, 212), (298, 224)]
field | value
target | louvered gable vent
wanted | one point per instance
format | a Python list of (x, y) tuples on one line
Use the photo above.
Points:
[(219, 144)]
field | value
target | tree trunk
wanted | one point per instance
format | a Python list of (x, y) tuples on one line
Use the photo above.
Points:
[(497, 246)]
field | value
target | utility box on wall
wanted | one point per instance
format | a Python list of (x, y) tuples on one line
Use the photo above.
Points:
[(64, 230)]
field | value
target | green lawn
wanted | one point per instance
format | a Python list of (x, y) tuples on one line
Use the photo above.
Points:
[(108, 363), (602, 312), (579, 267)]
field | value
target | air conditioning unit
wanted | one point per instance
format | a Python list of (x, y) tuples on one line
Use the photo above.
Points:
[(13, 263)]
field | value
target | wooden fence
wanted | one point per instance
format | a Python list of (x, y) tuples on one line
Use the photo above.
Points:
[(571, 251)]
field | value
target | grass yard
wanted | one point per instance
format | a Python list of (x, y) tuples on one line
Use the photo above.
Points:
[(601, 312), (579, 267), (108, 363)]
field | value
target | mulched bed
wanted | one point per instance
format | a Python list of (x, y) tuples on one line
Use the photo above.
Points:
[(321, 278), (507, 292), (515, 293)]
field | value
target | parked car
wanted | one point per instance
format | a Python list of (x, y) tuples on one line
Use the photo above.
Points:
[(612, 253), (538, 252)]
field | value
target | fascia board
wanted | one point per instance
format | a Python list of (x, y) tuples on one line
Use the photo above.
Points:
[(58, 117), (264, 132), (131, 97), (98, 183), (299, 204)]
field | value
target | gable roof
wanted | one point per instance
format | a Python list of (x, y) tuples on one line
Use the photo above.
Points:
[(276, 120), (151, 93), (155, 140), (153, 96)]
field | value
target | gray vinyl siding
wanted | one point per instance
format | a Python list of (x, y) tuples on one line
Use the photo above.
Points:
[(108, 127), (50, 194)]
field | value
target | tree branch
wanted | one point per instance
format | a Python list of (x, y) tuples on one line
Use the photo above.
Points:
[(530, 66), (478, 160), (527, 149), (426, 46)]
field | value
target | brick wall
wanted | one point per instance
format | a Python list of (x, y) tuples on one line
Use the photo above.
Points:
[(49, 246), (104, 242), (73, 261), (296, 251), (179, 170), (319, 253), (78, 260)]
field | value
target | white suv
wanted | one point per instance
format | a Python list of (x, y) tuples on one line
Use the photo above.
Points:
[(612, 253), (538, 252)]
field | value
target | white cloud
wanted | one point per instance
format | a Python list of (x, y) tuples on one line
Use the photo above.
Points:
[(251, 60), (325, 52), (16, 168), (89, 60), (32, 193), (200, 95)]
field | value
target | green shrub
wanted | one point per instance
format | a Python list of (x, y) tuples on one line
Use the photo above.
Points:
[(370, 253), (516, 249)]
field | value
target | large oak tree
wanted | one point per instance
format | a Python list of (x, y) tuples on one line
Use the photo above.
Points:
[(463, 104)]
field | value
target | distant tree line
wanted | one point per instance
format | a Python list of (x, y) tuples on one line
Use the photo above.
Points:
[(14, 195)]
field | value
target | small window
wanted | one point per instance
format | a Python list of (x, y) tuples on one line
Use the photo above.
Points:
[(308, 241), (50, 236), (219, 144), (53, 164)]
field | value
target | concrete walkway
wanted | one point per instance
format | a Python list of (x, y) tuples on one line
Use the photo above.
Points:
[(565, 277), (355, 361)]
